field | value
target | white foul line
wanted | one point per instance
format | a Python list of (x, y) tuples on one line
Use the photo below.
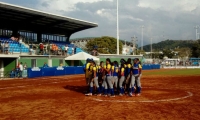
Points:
[(23, 86), (146, 101)]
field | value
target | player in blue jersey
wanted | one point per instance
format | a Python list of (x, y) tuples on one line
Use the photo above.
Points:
[(134, 79), (115, 70), (105, 75), (138, 82), (127, 74)]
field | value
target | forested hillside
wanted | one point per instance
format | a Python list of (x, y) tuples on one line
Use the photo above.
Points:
[(169, 44)]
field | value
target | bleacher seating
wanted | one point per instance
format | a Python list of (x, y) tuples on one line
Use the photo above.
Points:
[(14, 46), (60, 44)]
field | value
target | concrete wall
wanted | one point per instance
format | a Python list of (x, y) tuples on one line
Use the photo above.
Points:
[(27, 61), (9, 64), (76, 63), (54, 62)]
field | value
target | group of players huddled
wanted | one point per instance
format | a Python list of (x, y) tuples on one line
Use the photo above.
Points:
[(110, 78)]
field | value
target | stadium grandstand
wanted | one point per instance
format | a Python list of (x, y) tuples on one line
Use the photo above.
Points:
[(35, 37)]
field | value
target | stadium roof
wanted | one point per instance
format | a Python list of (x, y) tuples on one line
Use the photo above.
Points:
[(21, 18)]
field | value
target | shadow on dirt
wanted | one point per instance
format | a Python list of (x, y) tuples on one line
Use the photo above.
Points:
[(79, 89)]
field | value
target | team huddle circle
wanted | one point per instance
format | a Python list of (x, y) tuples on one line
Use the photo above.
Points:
[(149, 95), (111, 78)]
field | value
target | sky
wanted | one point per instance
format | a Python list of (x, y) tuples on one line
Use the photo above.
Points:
[(162, 19)]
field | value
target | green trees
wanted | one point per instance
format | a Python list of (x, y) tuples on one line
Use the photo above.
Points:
[(170, 44), (196, 49), (183, 52), (106, 45)]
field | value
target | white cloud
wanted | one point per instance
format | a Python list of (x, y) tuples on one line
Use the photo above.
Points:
[(131, 18), (62, 5), (174, 19), (170, 5), (107, 13)]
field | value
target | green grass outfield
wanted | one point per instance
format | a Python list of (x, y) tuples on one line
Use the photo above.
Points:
[(174, 72)]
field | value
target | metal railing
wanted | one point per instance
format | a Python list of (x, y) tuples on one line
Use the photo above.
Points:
[(4, 74), (14, 74)]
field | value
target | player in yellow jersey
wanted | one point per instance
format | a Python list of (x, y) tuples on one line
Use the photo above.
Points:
[(109, 76), (87, 71), (121, 80), (115, 71), (93, 72)]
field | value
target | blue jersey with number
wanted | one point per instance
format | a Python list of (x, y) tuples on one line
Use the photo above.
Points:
[(115, 70), (135, 69)]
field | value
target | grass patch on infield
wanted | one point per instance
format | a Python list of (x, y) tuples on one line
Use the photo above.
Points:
[(184, 72)]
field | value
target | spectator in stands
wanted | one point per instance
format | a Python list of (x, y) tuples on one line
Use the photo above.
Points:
[(56, 49), (25, 66), (17, 70), (12, 73), (31, 48), (45, 48), (59, 51), (66, 49), (45, 65), (6, 47), (0, 47), (41, 46), (61, 64), (20, 69), (63, 50), (75, 50), (12, 38), (20, 43), (72, 50), (53, 49), (49, 48)]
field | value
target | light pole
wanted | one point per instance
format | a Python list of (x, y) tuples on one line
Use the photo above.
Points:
[(125, 47), (196, 27), (117, 29), (142, 38), (151, 47), (134, 40)]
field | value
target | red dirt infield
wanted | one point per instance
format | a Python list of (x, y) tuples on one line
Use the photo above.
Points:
[(62, 98)]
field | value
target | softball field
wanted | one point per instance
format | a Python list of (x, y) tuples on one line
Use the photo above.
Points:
[(166, 95)]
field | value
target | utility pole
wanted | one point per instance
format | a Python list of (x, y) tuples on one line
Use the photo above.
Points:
[(134, 40), (196, 27), (142, 38), (117, 29)]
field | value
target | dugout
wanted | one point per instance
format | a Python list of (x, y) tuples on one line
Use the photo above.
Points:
[(7, 63)]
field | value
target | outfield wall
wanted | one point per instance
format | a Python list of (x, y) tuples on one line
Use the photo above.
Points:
[(182, 67), (53, 71), (60, 71)]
